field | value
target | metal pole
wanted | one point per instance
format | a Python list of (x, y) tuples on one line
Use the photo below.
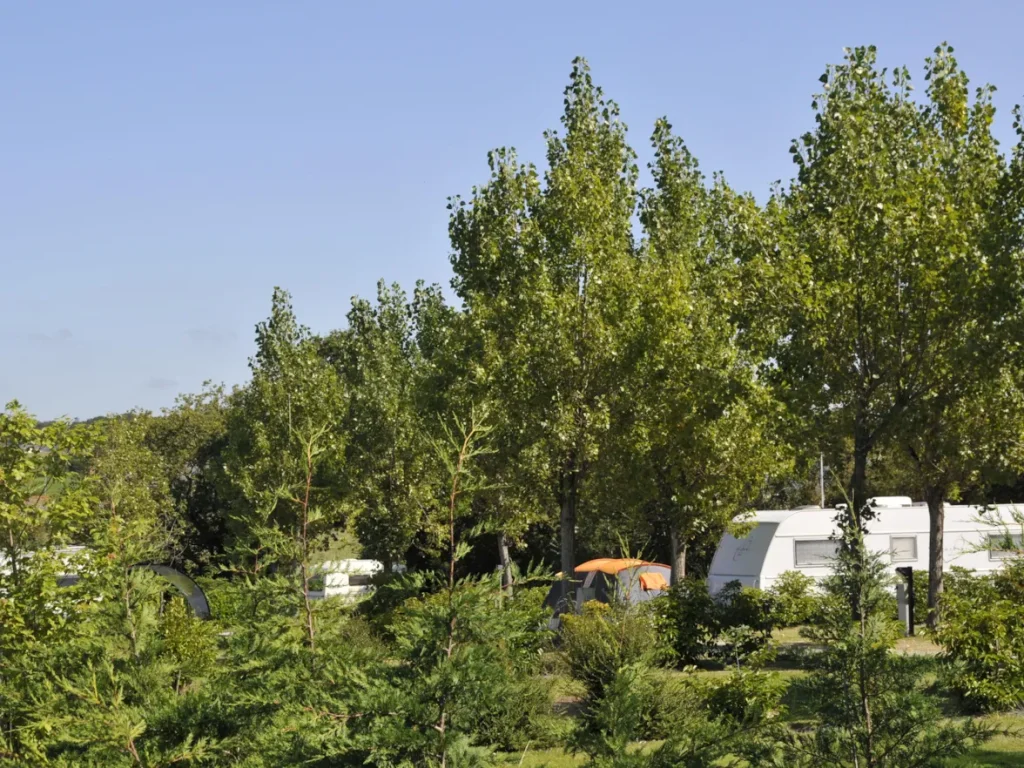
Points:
[(821, 478), (908, 574)]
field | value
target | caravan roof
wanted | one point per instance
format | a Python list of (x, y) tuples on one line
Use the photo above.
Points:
[(819, 521)]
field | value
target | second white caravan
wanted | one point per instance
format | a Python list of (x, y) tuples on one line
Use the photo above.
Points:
[(800, 540)]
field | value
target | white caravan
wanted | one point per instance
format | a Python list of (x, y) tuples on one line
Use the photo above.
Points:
[(799, 540)]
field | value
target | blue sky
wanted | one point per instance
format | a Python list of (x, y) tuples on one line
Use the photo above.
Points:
[(164, 165)]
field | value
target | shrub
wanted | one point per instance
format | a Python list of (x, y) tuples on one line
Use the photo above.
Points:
[(501, 701), (982, 637), (603, 639), (696, 623), (623, 713), (749, 696), (795, 601), (748, 608), (693, 618), (384, 606)]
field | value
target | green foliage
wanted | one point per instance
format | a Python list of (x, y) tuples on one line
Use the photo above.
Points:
[(391, 468), (610, 650), (734, 623), (605, 638), (543, 271), (795, 600), (870, 702), (622, 712), (693, 619), (689, 432), (749, 609), (189, 440), (982, 637), (294, 398), (189, 643)]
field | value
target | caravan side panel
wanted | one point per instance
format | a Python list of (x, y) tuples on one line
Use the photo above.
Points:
[(741, 560)]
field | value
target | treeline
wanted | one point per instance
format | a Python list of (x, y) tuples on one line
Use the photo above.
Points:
[(658, 360), (641, 364)]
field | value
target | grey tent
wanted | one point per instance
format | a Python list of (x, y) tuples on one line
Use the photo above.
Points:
[(606, 579)]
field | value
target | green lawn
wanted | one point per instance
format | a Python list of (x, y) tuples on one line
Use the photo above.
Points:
[(1000, 752), (920, 643), (1003, 750)]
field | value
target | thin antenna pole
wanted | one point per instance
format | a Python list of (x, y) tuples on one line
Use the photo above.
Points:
[(821, 478)]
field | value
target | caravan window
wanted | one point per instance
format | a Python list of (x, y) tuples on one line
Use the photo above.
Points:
[(902, 548), (812, 552), (997, 543)]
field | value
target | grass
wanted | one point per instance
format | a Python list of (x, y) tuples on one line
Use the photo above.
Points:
[(921, 643), (1005, 749), (1000, 752)]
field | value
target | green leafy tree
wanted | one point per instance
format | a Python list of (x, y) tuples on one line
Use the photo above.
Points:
[(44, 505), (689, 445), (462, 649), (541, 270), (390, 461), (287, 450), (966, 421), (302, 672), (86, 676), (887, 314), (871, 706), (190, 440), (134, 487)]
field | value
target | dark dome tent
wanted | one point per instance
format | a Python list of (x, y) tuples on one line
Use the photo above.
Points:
[(607, 579)]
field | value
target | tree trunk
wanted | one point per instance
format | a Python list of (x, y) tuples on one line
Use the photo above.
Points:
[(678, 557), (506, 563), (568, 527), (859, 481), (936, 529)]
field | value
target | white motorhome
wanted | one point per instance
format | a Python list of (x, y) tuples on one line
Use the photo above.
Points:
[(801, 540)]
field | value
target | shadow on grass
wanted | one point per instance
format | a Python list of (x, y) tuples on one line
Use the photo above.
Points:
[(986, 758)]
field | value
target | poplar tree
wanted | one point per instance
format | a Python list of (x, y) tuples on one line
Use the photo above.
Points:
[(541, 266)]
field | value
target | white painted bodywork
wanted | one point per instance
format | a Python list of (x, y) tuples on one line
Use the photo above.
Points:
[(757, 560), (337, 577)]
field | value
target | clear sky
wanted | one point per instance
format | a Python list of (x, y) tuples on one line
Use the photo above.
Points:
[(164, 165)]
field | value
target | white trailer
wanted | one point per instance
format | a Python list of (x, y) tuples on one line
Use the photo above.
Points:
[(351, 579), (801, 540)]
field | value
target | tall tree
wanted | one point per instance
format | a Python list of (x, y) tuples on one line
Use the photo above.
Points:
[(872, 707), (967, 417), (286, 445), (390, 460), (688, 445), (887, 314), (541, 270)]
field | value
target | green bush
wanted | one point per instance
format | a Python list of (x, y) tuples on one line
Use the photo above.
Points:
[(752, 610), (748, 696), (697, 624), (625, 712), (982, 637), (603, 639), (692, 618), (795, 600)]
